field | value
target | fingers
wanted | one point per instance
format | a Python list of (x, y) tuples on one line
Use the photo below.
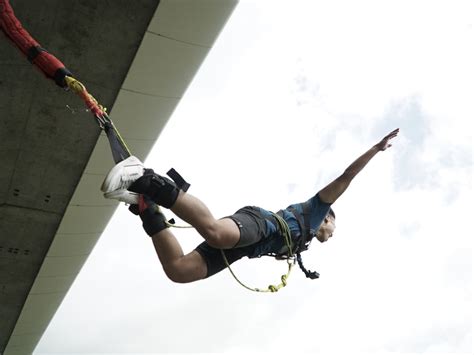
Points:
[(392, 134), (384, 143)]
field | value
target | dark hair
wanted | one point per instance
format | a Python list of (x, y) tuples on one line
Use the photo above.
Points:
[(331, 213)]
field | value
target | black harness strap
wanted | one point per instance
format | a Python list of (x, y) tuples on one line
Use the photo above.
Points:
[(178, 179), (303, 220), (305, 227), (119, 151)]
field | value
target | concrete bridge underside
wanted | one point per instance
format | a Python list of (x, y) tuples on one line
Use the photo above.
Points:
[(137, 58)]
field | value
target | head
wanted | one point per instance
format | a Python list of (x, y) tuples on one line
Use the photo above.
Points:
[(326, 229)]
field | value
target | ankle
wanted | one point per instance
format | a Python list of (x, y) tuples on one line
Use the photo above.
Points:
[(153, 220)]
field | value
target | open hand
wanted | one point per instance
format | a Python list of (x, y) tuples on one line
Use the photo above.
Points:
[(385, 142)]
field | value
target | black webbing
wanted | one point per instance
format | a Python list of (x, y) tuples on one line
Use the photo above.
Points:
[(303, 223), (119, 152), (303, 220), (178, 179)]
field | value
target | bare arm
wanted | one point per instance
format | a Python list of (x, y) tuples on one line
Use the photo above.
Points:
[(331, 192)]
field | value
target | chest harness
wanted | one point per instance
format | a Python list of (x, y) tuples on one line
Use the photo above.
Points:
[(303, 240), (293, 251)]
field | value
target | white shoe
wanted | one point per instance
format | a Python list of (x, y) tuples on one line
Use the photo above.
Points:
[(121, 176), (129, 197)]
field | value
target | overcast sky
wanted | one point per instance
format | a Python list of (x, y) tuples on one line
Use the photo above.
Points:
[(289, 96)]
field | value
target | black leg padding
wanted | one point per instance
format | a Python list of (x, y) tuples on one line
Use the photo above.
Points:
[(160, 189), (153, 220)]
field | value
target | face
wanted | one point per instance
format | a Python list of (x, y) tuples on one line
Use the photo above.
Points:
[(326, 229)]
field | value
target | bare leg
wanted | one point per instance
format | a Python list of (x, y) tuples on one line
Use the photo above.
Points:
[(222, 233), (177, 266)]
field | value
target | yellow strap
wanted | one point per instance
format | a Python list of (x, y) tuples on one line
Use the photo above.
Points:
[(79, 88), (74, 84)]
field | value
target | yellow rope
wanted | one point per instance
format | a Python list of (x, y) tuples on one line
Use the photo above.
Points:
[(290, 260), (271, 288)]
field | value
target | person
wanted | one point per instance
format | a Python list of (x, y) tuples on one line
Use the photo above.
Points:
[(251, 231)]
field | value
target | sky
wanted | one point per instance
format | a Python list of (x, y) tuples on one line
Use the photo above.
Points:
[(288, 97)]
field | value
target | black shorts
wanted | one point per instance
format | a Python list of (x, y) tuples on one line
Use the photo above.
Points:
[(252, 228)]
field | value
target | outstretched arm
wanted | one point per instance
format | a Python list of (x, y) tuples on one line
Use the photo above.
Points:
[(331, 193)]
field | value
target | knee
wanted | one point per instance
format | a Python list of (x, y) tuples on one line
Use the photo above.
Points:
[(221, 234), (181, 271), (217, 237), (174, 274), (176, 277), (214, 235)]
